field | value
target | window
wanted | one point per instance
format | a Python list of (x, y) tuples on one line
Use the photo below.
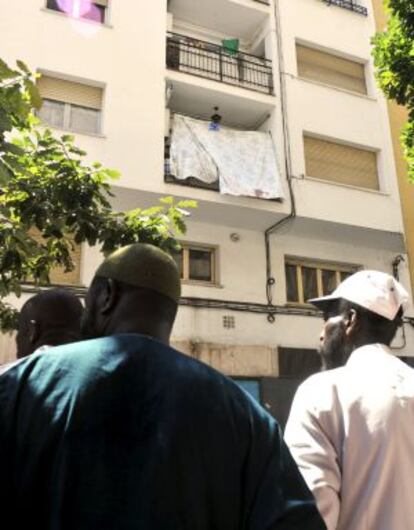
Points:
[(298, 362), (330, 69), (343, 164), (70, 105), (197, 264), (306, 279), (94, 10)]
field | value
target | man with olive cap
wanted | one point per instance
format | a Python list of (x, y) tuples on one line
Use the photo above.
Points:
[(351, 428), (122, 432)]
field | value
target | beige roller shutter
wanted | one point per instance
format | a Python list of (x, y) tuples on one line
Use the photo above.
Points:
[(70, 92), (340, 163), (330, 69)]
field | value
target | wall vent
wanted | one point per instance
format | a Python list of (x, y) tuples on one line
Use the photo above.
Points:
[(229, 322)]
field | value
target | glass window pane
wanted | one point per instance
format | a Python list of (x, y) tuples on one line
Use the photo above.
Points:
[(310, 283), (291, 284), (83, 119), (200, 265), (328, 281), (52, 112), (95, 13), (178, 258), (53, 4)]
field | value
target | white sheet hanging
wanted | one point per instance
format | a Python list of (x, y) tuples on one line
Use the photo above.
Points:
[(243, 161), (187, 155)]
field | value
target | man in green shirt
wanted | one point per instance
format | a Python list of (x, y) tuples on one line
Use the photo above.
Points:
[(122, 432)]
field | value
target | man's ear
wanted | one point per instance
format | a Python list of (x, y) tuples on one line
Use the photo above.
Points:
[(33, 331), (109, 296), (351, 322)]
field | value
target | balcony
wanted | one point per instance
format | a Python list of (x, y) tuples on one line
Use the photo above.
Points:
[(351, 5), (210, 61), (204, 154), (241, 18)]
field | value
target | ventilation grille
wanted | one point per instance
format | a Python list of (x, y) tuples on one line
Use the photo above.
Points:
[(229, 322)]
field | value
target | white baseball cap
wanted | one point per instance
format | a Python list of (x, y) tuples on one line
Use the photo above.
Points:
[(376, 291)]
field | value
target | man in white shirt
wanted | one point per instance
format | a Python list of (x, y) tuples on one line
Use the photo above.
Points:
[(351, 428)]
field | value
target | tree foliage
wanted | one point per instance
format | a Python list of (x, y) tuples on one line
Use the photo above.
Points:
[(47, 187), (394, 60)]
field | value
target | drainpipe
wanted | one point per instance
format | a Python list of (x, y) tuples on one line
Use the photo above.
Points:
[(396, 265), (270, 280)]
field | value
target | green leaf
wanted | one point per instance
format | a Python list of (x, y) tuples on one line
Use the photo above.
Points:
[(5, 71), (22, 66), (4, 174), (112, 174), (34, 94), (167, 200), (67, 138)]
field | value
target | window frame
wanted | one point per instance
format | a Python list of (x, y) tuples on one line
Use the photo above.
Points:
[(319, 265), (332, 53), (67, 109), (106, 11), (213, 249), (308, 135)]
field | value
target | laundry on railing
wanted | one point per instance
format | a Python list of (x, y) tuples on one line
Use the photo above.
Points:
[(244, 162)]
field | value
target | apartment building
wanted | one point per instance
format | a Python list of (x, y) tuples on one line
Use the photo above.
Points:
[(266, 112)]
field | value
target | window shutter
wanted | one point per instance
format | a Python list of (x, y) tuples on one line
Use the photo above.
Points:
[(341, 163), (331, 70), (70, 92)]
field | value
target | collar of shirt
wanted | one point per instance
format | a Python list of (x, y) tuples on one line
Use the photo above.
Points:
[(366, 353)]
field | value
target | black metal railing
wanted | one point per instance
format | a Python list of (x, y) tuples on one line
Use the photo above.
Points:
[(211, 61), (192, 182), (352, 5)]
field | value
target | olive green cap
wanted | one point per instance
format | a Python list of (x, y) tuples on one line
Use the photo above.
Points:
[(143, 265)]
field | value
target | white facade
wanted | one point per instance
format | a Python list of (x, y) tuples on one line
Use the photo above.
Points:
[(335, 223)]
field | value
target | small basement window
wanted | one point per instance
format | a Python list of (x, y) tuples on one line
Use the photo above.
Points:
[(95, 10), (306, 279), (197, 264), (298, 363)]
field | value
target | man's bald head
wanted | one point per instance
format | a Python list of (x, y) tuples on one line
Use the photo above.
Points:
[(49, 318), (135, 290)]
